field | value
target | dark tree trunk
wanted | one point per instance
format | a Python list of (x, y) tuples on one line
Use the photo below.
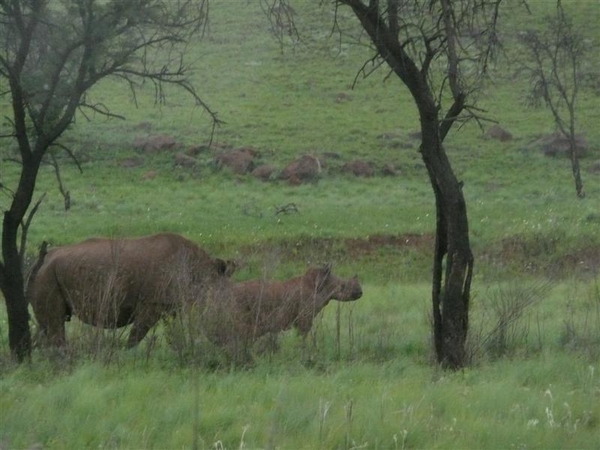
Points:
[(11, 278), (19, 336), (450, 291), (570, 134), (575, 168)]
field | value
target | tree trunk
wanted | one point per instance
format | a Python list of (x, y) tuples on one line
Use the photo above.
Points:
[(11, 280), (450, 291), (19, 336), (575, 168)]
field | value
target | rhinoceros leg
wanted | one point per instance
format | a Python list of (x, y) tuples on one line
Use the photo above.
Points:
[(304, 325), (142, 323), (51, 314), (239, 350)]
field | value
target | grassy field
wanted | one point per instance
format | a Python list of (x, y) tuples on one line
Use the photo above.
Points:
[(367, 379)]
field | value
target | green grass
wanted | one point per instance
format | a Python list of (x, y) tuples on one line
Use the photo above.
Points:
[(380, 389), (534, 386), (534, 404)]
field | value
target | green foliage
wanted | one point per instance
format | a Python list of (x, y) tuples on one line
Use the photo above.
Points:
[(372, 383)]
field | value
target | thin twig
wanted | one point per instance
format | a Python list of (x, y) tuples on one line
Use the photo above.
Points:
[(286, 209), (25, 227), (66, 194), (69, 152)]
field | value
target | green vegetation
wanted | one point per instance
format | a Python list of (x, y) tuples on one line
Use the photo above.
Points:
[(535, 323)]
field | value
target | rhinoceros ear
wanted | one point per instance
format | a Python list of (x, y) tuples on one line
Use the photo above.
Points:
[(230, 267), (221, 266)]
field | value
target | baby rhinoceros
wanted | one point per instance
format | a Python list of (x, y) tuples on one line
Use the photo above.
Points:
[(255, 308)]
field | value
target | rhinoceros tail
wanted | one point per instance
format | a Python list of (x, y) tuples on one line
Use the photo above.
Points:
[(35, 269)]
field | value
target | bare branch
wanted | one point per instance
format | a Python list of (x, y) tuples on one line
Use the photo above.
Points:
[(25, 227), (99, 108), (453, 72), (375, 63), (132, 86), (430, 54), (286, 209), (4, 136), (69, 152), (66, 194), (452, 115), (11, 193), (14, 160), (281, 20), (335, 26)]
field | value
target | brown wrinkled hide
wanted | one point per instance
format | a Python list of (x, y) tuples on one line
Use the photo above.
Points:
[(115, 282), (254, 308)]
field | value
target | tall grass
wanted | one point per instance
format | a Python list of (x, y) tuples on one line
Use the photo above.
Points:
[(375, 385), (397, 405)]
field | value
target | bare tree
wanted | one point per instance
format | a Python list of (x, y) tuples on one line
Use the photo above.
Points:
[(410, 37), (51, 54), (441, 50), (555, 56)]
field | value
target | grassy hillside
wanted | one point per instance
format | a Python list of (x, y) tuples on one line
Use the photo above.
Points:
[(366, 379)]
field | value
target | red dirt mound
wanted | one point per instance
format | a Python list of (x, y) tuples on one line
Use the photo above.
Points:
[(240, 161), (263, 172), (498, 133), (154, 144), (305, 168), (358, 168)]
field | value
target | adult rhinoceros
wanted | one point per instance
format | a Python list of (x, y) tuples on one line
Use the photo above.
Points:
[(111, 283)]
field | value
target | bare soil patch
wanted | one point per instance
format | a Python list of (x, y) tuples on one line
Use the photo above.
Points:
[(154, 144), (358, 168), (239, 161), (498, 133), (556, 145), (306, 168), (410, 241), (585, 260), (541, 255)]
